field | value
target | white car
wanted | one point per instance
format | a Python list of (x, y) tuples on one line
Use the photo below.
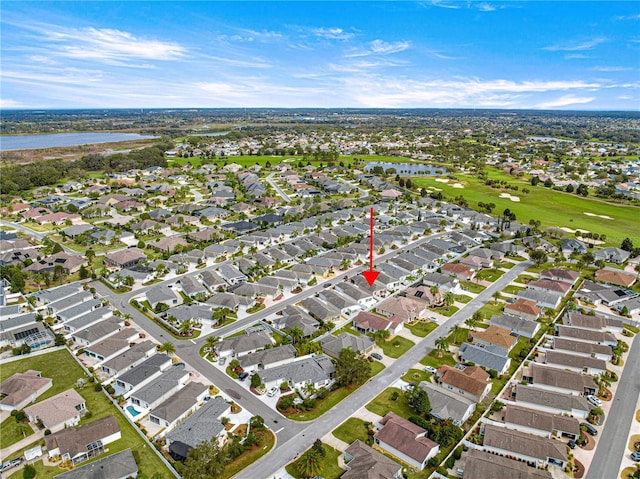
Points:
[(594, 400), (430, 369), (272, 392)]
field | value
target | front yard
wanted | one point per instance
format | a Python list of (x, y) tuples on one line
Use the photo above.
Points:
[(489, 274), (395, 347), (391, 400), (421, 328), (351, 430), (329, 465)]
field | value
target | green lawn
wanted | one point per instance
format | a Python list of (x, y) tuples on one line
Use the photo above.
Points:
[(521, 345), (552, 208), (250, 457), (65, 371), (421, 328), (489, 274), (472, 287), (524, 278), (433, 359), (376, 367), (330, 469), (383, 404), (347, 328), (511, 289), (351, 430), (396, 347), (10, 434), (416, 376), (446, 310), (463, 298), (491, 309)]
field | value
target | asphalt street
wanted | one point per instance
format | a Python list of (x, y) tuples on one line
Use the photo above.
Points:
[(612, 444)]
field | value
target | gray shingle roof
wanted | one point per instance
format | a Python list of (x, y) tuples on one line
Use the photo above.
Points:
[(120, 464), (180, 402), (202, 425), (145, 370), (159, 386)]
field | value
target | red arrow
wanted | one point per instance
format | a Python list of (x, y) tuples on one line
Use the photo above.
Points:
[(370, 275)]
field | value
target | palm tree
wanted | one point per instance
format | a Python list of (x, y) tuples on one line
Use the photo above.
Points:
[(474, 320), (603, 381), (185, 327), (442, 345), (309, 464), (449, 298), (210, 343), (167, 347), (434, 291), (457, 330), (296, 334)]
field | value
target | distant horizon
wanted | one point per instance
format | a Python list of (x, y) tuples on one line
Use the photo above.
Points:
[(451, 54)]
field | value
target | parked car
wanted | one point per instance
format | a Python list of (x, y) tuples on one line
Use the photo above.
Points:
[(430, 369), (572, 444), (376, 356), (242, 376), (326, 285), (272, 392), (594, 400), (590, 429), (635, 456)]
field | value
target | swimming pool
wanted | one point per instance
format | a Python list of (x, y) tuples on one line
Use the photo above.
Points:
[(133, 411)]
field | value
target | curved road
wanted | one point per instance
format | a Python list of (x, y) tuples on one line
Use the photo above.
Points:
[(279, 190)]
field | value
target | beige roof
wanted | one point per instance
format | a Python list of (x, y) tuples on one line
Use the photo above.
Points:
[(543, 421), (523, 443), (73, 441), (366, 320), (551, 285), (561, 378), (482, 465), (524, 306), (21, 386), (56, 409), (495, 335), (615, 277), (586, 334), (574, 361), (590, 322), (581, 346), (367, 463), (472, 379), (405, 437)]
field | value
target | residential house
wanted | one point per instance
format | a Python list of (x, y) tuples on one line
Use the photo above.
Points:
[(550, 285), (557, 274), (364, 298), (333, 345), (525, 447), (406, 308), (121, 465), (586, 335), (543, 299), (321, 310), (469, 381), (161, 294), (582, 348), (482, 465), (83, 443), (238, 346), (524, 309), (363, 462), (559, 380), (443, 282), (69, 263), (517, 326), (344, 303), (56, 294), (177, 407), (129, 358), (550, 401), (405, 440), (267, 358), (491, 356), (20, 389), (460, 271), (159, 389), (142, 374), (112, 345), (616, 276), (317, 370), (203, 425), (612, 255), (570, 245), (125, 258), (494, 335), (58, 412), (540, 423), (446, 404), (101, 330), (594, 322), (231, 274), (367, 322), (573, 362), (292, 317)]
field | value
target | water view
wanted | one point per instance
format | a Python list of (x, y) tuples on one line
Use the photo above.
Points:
[(31, 142), (408, 169)]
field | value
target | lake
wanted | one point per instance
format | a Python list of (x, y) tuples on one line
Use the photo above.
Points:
[(31, 142), (408, 169)]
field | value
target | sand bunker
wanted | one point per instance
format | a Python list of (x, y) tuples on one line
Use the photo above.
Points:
[(510, 197), (442, 180), (599, 216), (569, 230), (458, 185)]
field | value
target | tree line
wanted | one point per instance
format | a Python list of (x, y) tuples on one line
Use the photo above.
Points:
[(48, 172)]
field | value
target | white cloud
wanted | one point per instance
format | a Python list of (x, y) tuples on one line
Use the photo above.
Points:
[(576, 56), (627, 17), (385, 48), (565, 100), (611, 69), (106, 45), (332, 33), (485, 7), (443, 4), (575, 46), (7, 103)]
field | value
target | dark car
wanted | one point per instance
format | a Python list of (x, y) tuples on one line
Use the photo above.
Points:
[(376, 356), (326, 285), (242, 376), (635, 456), (590, 429), (572, 444)]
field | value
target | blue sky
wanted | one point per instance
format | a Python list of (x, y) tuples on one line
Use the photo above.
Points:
[(432, 54)]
